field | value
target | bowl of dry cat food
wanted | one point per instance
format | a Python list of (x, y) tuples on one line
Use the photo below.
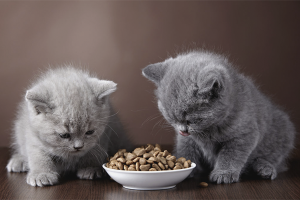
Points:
[(148, 168)]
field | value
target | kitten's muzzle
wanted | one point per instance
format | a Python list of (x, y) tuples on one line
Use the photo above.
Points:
[(77, 148)]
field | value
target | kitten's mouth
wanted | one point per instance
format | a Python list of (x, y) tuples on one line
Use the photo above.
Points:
[(184, 133)]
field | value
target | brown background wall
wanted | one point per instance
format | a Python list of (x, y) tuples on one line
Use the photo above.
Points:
[(117, 39)]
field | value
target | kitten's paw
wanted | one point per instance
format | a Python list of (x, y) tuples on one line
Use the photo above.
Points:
[(265, 170), (42, 179), (90, 173), (17, 164), (224, 176)]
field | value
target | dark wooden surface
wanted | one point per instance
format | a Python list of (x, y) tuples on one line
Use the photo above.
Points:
[(14, 186)]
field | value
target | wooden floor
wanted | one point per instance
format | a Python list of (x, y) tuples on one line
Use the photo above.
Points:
[(13, 186)]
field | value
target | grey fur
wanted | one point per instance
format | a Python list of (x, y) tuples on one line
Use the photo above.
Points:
[(233, 127), (65, 100)]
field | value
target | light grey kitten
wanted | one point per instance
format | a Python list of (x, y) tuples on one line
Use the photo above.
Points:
[(224, 123), (65, 123)]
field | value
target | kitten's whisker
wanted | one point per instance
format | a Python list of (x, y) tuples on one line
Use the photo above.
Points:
[(110, 115), (112, 130), (98, 152), (107, 137), (149, 118), (101, 148)]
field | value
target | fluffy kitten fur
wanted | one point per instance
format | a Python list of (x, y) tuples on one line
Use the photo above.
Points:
[(224, 123), (65, 123)]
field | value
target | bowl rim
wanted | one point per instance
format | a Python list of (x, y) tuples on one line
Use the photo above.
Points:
[(193, 165)]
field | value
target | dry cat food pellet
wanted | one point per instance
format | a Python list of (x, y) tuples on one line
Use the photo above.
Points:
[(147, 158), (203, 184)]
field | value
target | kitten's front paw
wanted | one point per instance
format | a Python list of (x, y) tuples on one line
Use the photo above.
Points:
[(265, 170), (224, 176), (90, 173), (17, 164), (42, 179)]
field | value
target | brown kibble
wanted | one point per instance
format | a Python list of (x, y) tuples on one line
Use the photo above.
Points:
[(136, 159), (129, 162), (161, 166), (110, 167), (170, 163), (154, 159), (126, 167), (120, 166), (125, 154), (137, 166), (136, 150), (155, 153), (190, 162), (145, 167), (132, 165), (203, 184), (152, 152), (122, 160), (115, 167), (150, 161), (186, 164), (152, 169), (141, 152), (181, 160), (172, 158), (179, 164), (167, 166), (117, 155), (149, 148), (163, 160), (157, 145), (157, 149), (165, 153), (177, 167), (142, 161), (113, 162), (130, 156), (147, 155), (156, 167), (131, 168), (112, 158), (122, 150)]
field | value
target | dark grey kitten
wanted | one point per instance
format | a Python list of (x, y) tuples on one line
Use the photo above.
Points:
[(65, 123), (224, 123)]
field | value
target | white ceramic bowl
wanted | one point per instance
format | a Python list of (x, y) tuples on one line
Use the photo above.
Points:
[(149, 180)]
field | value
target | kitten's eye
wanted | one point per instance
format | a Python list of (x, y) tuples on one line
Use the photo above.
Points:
[(66, 135), (37, 111), (90, 132)]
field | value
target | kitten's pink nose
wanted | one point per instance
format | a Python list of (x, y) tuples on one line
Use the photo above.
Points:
[(184, 133)]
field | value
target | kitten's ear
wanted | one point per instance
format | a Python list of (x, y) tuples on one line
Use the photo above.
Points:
[(212, 90), (38, 101), (215, 88), (155, 72), (102, 88)]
